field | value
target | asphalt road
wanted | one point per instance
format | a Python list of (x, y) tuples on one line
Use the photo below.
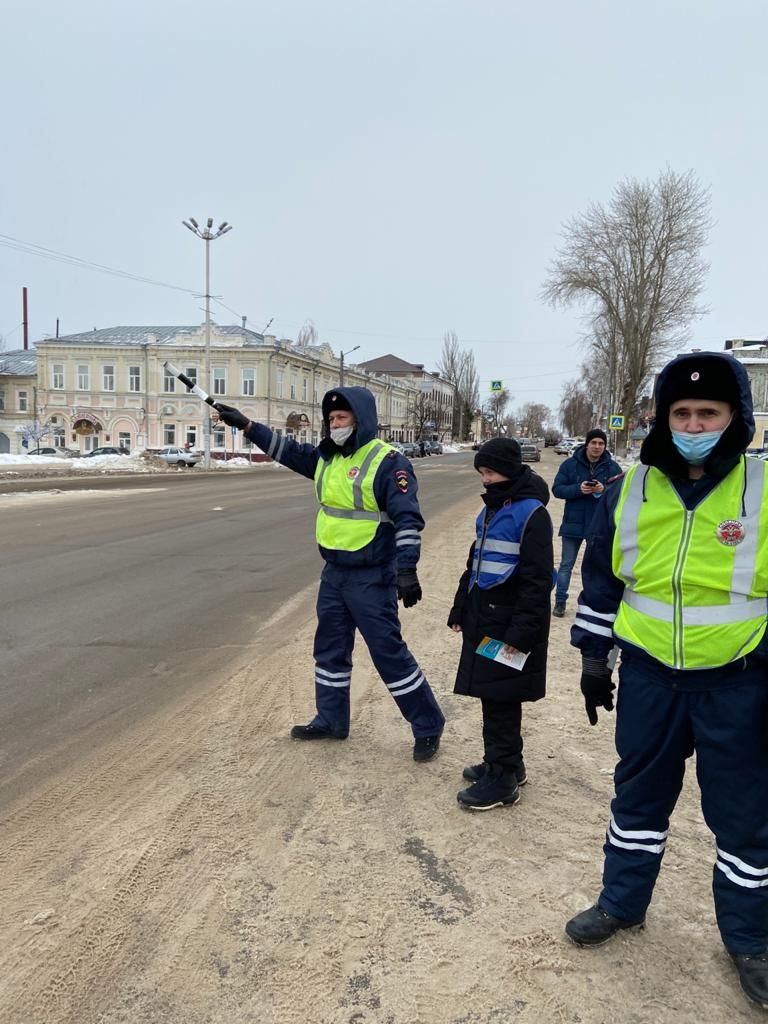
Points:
[(117, 600)]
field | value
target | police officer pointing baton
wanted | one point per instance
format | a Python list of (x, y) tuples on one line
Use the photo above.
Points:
[(368, 530)]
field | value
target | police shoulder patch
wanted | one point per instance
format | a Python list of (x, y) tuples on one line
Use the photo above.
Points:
[(401, 479)]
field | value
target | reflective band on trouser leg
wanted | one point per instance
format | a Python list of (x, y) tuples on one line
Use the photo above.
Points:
[(374, 609), (731, 728), (653, 739), (334, 641)]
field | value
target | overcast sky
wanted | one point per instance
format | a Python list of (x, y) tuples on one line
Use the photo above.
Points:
[(392, 170)]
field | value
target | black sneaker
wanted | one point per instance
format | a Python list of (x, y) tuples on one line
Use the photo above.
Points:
[(753, 975), (476, 772), (425, 747), (559, 610), (313, 732), (495, 789), (595, 926)]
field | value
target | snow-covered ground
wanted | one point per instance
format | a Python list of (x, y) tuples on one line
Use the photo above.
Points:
[(135, 463)]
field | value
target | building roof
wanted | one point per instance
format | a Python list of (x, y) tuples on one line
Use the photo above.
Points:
[(19, 363), (391, 364), (165, 335)]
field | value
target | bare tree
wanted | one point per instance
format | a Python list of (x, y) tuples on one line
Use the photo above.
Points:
[(577, 413), (422, 413), (637, 263), (457, 365), (307, 336), (531, 418), (495, 410)]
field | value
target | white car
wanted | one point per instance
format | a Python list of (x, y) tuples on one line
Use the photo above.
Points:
[(179, 456), (566, 445)]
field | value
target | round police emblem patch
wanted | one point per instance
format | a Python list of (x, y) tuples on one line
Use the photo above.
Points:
[(352, 473), (731, 532), (695, 375)]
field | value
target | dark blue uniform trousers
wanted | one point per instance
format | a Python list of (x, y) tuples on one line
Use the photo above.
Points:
[(661, 718), (366, 599)]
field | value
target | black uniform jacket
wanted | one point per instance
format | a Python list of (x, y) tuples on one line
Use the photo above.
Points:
[(517, 611)]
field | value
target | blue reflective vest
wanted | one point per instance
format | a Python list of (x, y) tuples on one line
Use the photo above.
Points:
[(497, 548)]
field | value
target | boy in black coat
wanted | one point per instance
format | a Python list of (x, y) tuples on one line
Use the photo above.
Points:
[(504, 595)]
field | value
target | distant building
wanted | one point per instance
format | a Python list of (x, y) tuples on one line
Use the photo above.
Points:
[(434, 402), (109, 386), (18, 381), (753, 355)]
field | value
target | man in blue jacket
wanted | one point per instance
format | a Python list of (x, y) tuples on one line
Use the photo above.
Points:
[(368, 526), (581, 481)]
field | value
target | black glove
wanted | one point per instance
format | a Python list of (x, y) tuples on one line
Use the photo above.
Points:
[(408, 587), (596, 686), (454, 618), (231, 416)]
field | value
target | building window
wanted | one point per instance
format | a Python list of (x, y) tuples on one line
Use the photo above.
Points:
[(219, 380), (83, 377), (134, 378), (304, 389), (293, 385), (191, 372), (108, 378), (314, 391), (249, 382), (169, 433), (219, 437), (280, 384), (2, 401), (124, 440), (58, 437), (57, 376), (169, 383), (23, 401), (190, 435)]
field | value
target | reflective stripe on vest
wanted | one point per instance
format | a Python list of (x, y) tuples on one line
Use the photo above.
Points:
[(349, 516), (497, 547), (695, 580)]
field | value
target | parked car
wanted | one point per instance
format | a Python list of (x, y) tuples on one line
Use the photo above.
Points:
[(397, 446), (435, 447), (178, 456), (56, 453), (530, 452), (411, 450), (565, 446), (107, 450)]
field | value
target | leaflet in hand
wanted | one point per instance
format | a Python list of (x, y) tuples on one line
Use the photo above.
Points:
[(494, 649)]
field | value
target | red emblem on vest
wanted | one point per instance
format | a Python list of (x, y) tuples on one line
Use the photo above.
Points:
[(352, 473), (731, 532)]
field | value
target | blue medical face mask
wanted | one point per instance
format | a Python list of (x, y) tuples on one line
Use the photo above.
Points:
[(695, 448)]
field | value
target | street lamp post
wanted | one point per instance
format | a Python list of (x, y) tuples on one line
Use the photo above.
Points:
[(341, 363), (207, 234)]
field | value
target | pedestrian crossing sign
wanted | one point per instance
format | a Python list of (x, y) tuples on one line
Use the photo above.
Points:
[(497, 385), (617, 422)]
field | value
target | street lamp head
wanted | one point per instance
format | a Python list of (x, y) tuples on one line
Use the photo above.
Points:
[(193, 222), (223, 231), (210, 223), (188, 225), (222, 225)]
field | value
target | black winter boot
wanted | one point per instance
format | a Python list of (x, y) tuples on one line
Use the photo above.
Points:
[(753, 975), (475, 772), (595, 926), (313, 732), (496, 788), (559, 610)]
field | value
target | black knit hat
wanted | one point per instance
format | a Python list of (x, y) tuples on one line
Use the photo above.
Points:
[(501, 454), (596, 433)]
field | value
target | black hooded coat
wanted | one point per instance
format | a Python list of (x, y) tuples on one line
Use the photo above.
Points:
[(516, 612)]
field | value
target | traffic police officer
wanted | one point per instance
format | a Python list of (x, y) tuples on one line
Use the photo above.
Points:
[(368, 526), (676, 574)]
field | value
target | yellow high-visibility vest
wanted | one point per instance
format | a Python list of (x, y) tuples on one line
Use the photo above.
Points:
[(348, 516), (695, 580)]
